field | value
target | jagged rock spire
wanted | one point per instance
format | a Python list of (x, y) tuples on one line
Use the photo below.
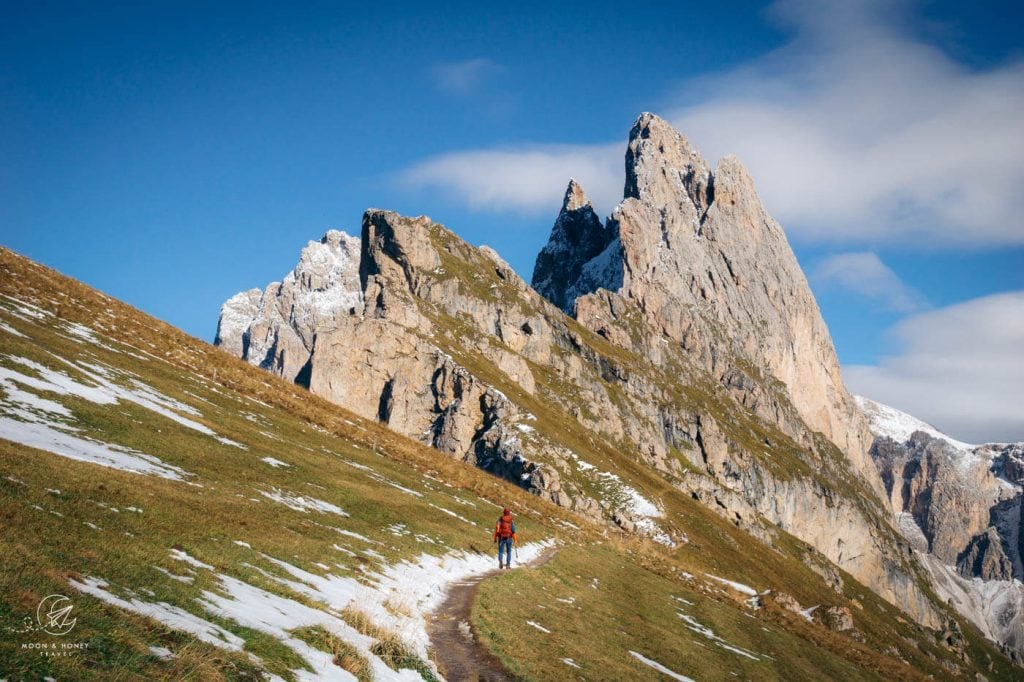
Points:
[(696, 250), (576, 238), (662, 167)]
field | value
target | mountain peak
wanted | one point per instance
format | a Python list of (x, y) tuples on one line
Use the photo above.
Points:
[(660, 160), (575, 197), (577, 237), (698, 253)]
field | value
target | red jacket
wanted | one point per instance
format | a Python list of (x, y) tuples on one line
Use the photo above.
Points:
[(505, 528)]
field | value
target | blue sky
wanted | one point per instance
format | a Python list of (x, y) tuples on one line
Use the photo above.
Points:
[(176, 153)]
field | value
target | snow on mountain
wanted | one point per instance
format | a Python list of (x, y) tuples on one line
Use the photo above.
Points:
[(888, 422), (275, 328)]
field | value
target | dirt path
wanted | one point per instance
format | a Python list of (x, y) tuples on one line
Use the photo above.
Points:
[(457, 652)]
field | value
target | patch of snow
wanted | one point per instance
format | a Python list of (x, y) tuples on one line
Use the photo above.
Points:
[(357, 536), (701, 629), (10, 330), (302, 503), (414, 589), (24, 310), (640, 504), (889, 422), (46, 437), (449, 512), (571, 663), (739, 587), (179, 555), (652, 530), (274, 462), (539, 627), (808, 613), (161, 652), (187, 579), (80, 331), (162, 612), (103, 392), (660, 668), (242, 543), (399, 599)]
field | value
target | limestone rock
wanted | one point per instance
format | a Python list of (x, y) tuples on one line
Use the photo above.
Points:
[(710, 268), (276, 329), (576, 239), (986, 558), (839, 618), (960, 506)]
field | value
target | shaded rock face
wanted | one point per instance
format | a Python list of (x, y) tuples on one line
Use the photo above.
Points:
[(275, 328), (969, 516), (960, 505), (381, 365), (577, 238), (695, 249)]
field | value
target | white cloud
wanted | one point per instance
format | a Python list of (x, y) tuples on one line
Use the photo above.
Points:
[(855, 131), (526, 180), (960, 368), (462, 78), (863, 273), (858, 131)]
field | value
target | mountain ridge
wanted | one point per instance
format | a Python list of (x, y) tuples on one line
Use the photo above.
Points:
[(454, 349), (224, 575)]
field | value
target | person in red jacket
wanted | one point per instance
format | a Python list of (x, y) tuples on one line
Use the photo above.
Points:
[(505, 536)]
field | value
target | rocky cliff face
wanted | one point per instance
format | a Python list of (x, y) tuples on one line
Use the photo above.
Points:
[(565, 267), (697, 252), (682, 372), (962, 505), (276, 328)]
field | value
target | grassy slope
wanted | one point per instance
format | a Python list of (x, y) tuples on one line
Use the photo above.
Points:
[(46, 540)]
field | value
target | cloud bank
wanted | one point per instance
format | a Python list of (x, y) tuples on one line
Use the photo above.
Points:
[(864, 274), (960, 368), (529, 180), (855, 131)]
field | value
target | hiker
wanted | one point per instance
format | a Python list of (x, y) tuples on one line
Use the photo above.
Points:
[(505, 536)]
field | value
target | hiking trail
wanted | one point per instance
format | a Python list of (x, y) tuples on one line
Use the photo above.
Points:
[(459, 655)]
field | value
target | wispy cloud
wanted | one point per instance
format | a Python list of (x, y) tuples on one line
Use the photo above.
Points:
[(855, 132), (465, 77), (864, 274), (858, 131), (959, 368), (530, 180)]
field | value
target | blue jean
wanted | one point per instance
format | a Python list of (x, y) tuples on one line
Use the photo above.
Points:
[(506, 545)]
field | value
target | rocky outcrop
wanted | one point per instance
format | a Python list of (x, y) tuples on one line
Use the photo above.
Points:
[(276, 328), (697, 252), (949, 502), (577, 238), (961, 506)]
